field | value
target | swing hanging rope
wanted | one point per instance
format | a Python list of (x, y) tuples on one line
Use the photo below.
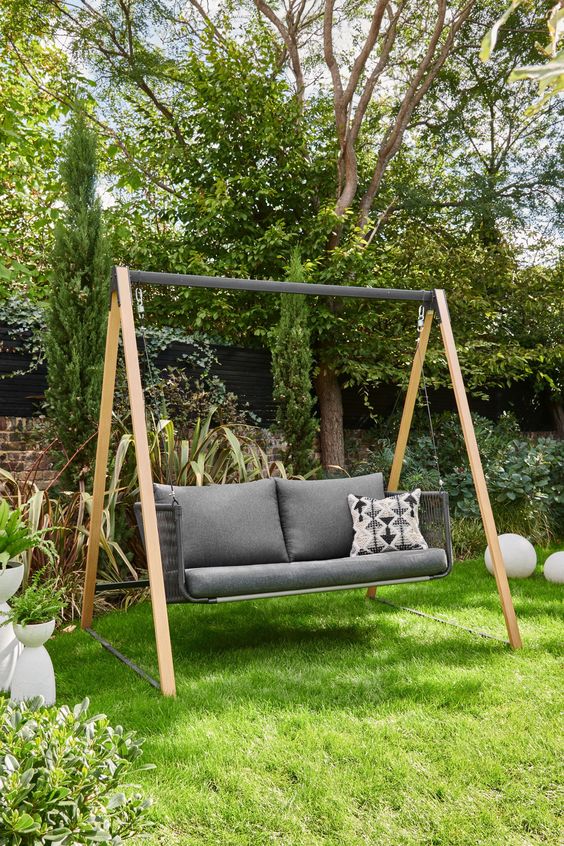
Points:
[(420, 321)]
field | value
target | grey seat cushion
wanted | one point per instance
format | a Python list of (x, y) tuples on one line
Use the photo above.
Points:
[(229, 525), (213, 582), (315, 515)]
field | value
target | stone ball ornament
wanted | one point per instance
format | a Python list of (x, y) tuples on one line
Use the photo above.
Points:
[(554, 568), (519, 556)]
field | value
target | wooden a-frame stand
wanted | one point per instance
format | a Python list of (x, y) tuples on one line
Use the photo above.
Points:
[(121, 316)]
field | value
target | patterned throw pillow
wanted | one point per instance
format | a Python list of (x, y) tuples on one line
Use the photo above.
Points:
[(386, 525)]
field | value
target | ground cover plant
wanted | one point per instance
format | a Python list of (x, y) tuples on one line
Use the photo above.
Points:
[(332, 721), (62, 776)]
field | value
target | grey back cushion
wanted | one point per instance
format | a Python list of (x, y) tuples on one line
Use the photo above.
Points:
[(227, 525), (315, 515)]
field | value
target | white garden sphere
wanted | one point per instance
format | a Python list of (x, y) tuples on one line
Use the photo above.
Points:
[(519, 556), (554, 568)]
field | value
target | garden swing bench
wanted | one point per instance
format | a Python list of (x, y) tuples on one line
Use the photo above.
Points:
[(166, 524)]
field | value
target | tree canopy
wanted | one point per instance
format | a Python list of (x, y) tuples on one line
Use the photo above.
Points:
[(370, 136)]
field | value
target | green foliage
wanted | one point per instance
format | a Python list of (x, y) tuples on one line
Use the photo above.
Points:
[(175, 393), (495, 165), (187, 399), (525, 478), (64, 519), (17, 537), (550, 75), (62, 776), (29, 184), (78, 304), (39, 602), (228, 189), (239, 180), (529, 475), (25, 321), (292, 363), (212, 455), (468, 538)]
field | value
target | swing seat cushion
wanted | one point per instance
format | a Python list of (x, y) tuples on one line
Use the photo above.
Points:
[(315, 515), (250, 580), (228, 525)]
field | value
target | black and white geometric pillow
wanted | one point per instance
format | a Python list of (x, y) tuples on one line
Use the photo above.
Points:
[(386, 525)]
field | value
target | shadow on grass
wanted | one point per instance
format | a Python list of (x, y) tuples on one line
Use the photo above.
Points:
[(318, 652)]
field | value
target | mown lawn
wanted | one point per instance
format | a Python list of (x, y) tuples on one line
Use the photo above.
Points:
[(331, 720)]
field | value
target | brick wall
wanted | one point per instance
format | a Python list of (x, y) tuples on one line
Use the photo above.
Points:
[(359, 445), (20, 451)]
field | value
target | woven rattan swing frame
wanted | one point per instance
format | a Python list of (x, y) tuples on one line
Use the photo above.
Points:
[(121, 317)]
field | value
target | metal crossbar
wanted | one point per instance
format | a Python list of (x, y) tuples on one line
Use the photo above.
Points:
[(131, 584), (123, 658), (476, 632), (144, 277)]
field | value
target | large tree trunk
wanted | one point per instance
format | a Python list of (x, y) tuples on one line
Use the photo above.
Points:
[(331, 412)]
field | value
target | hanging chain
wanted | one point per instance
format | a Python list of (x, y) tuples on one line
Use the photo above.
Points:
[(420, 324), (141, 315)]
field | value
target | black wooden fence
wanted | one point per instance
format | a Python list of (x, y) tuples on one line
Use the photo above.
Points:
[(247, 373)]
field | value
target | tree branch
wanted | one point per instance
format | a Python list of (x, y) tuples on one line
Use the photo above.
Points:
[(106, 130), (422, 80), (289, 36)]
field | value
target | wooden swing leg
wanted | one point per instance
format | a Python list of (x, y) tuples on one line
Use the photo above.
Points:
[(101, 467), (407, 414), (152, 545), (477, 472)]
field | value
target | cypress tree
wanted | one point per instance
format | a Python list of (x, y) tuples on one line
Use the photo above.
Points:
[(291, 368), (78, 304)]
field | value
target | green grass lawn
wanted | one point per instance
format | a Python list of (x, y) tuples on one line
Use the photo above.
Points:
[(332, 720)]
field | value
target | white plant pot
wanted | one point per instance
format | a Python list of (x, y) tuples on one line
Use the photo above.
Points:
[(34, 674), (10, 579), (10, 648)]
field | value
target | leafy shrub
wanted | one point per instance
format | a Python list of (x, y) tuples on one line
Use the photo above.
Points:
[(525, 478), (211, 455), (527, 472), (175, 393), (61, 774), (188, 399), (26, 322), (468, 538)]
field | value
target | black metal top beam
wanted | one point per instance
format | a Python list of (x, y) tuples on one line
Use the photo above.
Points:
[(143, 277)]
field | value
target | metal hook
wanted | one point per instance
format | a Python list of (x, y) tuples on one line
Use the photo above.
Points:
[(139, 302), (421, 318)]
